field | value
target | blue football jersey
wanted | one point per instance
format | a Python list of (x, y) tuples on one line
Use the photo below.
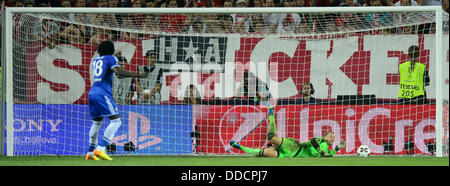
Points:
[(103, 74)]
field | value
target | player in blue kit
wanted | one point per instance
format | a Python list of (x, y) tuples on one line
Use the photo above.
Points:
[(101, 102)]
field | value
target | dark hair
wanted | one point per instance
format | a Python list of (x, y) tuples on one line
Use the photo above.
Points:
[(106, 48), (413, 52), (150, 52)]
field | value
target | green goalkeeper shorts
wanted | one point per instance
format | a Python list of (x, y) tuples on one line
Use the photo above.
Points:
[(288, 148)]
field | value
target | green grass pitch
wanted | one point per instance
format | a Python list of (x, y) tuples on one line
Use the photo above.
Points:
[(224, 161)]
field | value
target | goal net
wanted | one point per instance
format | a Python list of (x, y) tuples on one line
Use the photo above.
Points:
[(213, 71)]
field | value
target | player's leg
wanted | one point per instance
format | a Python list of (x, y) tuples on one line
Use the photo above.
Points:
[(104, 106), (268, 152), (271, 152), (272, 131), (93, 135), (108, 135), (95, 127)]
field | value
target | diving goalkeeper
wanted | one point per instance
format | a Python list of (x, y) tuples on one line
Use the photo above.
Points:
[(289, 147)]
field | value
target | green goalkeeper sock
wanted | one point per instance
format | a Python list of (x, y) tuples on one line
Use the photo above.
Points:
[(272, 127), (253, 152)]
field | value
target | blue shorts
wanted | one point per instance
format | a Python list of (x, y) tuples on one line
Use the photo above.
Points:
[(102, 106)]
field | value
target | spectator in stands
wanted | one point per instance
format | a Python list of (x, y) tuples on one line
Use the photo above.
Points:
[(408, 30), (307, 92), (102, 3), (351, 3), (128, 22), (420, 2), (272, 3), (406, 3), (227, 3), (208, 3), (137, 3), (192, 95), (317, 3), (194, 24), (18, 3), (303, 28), (101, 34), (113, 3), (75, 33), (47, 31), (199, 23), (151, 23), (257, 26), (148, 3), (159, 3), (29, 4), (331, 26), (285, 23), (42, 3), (334, 3), (79, 3), (300, 3), (267, 17), (174, 23), (387, 2), (256, 3), (241, 22), (65, 3), (225, 23)]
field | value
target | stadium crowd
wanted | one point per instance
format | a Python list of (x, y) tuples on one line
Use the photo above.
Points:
[(221, 23), (219, 3)]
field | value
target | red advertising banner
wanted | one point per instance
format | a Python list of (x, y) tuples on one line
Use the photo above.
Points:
[(351, 65), (369, 125)]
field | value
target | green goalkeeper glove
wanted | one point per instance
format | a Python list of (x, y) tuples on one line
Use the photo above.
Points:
[(340, 146)]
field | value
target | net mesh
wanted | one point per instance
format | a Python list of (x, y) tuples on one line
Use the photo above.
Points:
[(213, 74)]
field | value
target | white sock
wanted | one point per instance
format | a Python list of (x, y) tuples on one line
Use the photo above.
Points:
[(93, 132), (109, 133)]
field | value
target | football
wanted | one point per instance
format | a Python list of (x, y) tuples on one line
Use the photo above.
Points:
[(363, 151), (146, 91)]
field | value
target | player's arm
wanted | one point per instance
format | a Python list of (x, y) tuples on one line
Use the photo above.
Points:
[(313, 146), (122, 72)]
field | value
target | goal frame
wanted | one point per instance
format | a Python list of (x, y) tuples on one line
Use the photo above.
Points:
[(7, 57)]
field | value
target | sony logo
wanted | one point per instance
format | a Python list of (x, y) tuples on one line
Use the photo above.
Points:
[(36, 125)]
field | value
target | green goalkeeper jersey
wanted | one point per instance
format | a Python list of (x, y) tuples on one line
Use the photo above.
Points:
[(316, 147)]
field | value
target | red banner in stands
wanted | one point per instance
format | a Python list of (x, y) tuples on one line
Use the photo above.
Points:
[(353, 65)]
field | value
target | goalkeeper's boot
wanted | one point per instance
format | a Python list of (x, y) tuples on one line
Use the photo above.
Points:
[(91, 156), (235, 144), (270, 111), (102, 155)]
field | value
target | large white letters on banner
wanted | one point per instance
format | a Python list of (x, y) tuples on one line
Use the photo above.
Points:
[(51, 73), (325, 68)]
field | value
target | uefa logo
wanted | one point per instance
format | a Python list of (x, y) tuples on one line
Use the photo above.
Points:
[(244, 124)]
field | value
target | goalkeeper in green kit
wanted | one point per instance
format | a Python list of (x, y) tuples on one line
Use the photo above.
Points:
[(289, 147)]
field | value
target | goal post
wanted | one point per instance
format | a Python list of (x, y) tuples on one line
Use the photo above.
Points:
[(351, 55)]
